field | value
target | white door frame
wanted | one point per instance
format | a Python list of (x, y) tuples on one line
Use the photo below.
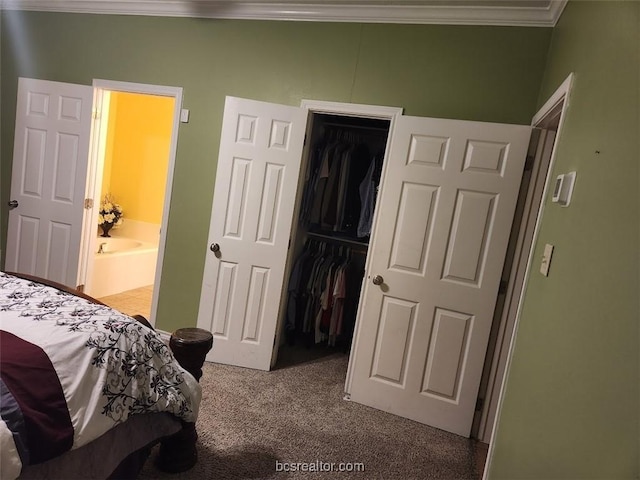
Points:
[(531, 194), (560, 96), (102, 89)]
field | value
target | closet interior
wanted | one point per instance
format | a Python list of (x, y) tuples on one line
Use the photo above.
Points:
[(342, 174)]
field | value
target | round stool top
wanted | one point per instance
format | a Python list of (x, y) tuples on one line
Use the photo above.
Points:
[(192, 335)]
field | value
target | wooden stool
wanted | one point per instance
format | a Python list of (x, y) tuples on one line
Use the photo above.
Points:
[(178, 452), (190, 347)]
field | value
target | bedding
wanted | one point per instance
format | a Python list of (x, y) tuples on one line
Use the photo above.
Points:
[(71, 370)]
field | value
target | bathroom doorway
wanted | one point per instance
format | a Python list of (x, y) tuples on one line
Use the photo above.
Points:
[(132, 155)]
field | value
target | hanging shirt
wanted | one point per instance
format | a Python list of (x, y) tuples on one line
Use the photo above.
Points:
[(311, 179), (329, 202), (321, 183), (339, 292), (367, 199), (342, 188), (310, 290), (360, 160), (325, 283)]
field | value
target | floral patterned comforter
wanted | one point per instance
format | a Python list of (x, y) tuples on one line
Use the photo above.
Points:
[(70, 370)]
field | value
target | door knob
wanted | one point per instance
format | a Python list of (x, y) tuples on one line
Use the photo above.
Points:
[(377, 280), (214, 247), (12, 204)]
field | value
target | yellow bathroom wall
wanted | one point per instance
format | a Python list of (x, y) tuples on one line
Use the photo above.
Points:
[(137, 153), (108, 155)]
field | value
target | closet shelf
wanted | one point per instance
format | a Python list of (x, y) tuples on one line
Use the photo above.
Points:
[(357, 127)]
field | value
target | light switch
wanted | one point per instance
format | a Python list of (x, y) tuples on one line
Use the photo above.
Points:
[(563, 189), (546, 259), (184, 115)]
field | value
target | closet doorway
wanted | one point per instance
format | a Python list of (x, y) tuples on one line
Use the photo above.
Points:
[(254, 236), (333, 224)]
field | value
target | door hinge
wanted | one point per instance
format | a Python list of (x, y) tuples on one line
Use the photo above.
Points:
[(95, 114), (88, 203), (304, 142), (502, 289), (479, 404), (528, 164)]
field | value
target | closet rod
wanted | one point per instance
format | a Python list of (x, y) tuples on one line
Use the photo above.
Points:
[(359, 127), (364, 245)]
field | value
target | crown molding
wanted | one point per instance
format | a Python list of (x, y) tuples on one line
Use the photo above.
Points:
[(452, 12)]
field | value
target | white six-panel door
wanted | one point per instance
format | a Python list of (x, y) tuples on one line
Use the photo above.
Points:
[(48, 179), (255, 190), (439, 243)]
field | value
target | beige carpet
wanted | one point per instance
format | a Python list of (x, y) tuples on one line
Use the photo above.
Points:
[(251, 421)]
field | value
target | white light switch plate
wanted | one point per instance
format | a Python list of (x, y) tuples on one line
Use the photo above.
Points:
[(546, 259), (184, 115)]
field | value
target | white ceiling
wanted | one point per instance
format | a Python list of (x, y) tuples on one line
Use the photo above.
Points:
[(534, 13)]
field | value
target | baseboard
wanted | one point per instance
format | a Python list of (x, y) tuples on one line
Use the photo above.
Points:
[(166, 336)]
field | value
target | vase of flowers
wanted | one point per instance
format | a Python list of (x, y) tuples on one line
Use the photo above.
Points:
[(110, 215)]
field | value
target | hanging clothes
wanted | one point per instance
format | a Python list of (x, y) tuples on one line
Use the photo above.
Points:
[(367, 191), (317, 292), (359, 165), (331, 201), (338, 201), (368, 195), (339, 293)]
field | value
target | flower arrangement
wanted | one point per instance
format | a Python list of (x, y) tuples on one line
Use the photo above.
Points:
[(109, 215)]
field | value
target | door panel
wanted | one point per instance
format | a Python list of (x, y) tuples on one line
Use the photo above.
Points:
[(255, 191), (391, 350), (473, 219), (51, 148), (449, 191), (446, 354)]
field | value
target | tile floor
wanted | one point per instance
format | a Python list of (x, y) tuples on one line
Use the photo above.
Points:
[(132, 302)]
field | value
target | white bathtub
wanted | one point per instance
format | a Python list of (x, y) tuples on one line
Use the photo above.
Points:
[(113, 245), (122, 264)]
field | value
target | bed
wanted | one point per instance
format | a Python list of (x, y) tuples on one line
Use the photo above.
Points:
[(86, 391)]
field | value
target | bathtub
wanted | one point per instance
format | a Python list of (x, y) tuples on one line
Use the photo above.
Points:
[(122, 264)]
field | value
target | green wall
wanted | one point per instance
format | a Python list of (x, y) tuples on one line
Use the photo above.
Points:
[(477, 73), (571, 406)]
